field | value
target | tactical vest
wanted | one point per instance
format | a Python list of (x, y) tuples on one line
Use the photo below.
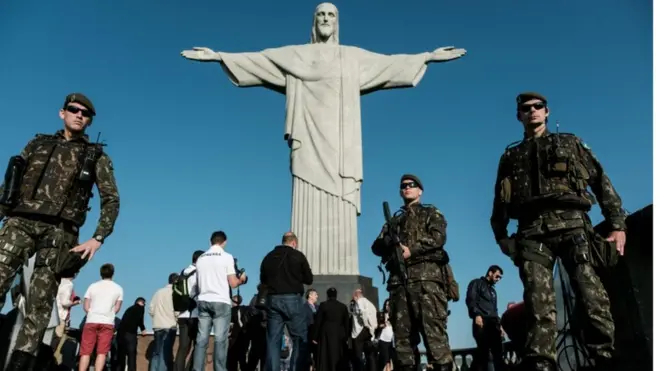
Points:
[(52, 184), (545, 172), (410, 225)]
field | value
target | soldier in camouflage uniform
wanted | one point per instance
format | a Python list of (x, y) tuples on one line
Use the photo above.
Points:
[(422, 305), (542, 182), (45, 201)]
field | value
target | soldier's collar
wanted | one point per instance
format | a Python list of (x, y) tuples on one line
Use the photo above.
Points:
[(531, 137), (83, 138), (412, 206)]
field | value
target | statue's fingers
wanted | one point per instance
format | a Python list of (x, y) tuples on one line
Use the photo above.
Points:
[(198, 48), (448, 47)]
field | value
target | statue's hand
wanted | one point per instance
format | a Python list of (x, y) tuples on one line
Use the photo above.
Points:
[(446, 53), (201, 54)]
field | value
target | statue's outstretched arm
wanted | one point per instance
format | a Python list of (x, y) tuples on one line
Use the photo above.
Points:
[(201, 54)]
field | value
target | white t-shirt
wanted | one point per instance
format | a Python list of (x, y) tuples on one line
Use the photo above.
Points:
[(104, 294), (213, 267), (387, 333), (192, 291)]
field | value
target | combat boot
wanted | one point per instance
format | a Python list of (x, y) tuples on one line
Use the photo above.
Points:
[(537, 364), (20, 361), (443, 367), (604, 364), (406, 368)]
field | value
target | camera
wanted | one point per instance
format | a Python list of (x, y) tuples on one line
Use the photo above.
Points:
[(239, 271)]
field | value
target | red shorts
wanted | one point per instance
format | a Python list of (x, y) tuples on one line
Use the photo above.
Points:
[(96, 334)]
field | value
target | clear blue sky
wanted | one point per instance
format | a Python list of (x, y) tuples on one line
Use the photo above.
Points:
[(194, 154)]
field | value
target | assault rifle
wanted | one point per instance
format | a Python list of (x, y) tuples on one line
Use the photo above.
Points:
[(396, 242)]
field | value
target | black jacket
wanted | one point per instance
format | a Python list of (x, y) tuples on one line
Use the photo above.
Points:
[(285, 270), (481, 299), (132, 319)]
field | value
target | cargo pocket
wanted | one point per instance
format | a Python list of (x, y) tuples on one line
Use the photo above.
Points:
[(16, 246)]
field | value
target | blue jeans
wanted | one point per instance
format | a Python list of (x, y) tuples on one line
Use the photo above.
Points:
[(162, 357), (218, 317), (286, 310)]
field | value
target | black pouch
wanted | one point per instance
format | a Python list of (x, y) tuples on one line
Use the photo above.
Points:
[(581, 252), (603, 253)]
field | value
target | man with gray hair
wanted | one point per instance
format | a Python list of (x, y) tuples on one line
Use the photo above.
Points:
[(364, 316)]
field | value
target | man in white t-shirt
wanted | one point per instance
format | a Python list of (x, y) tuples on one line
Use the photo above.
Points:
[(215, 274), (103, 300)]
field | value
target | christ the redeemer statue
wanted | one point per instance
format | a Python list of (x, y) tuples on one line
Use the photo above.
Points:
[(323, 82)]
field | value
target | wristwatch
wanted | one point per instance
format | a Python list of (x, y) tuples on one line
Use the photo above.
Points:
[(99, 238)]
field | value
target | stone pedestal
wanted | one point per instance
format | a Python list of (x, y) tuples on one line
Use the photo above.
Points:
[(345, 285)]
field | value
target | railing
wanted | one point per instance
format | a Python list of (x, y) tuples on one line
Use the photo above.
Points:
[(463, 358)]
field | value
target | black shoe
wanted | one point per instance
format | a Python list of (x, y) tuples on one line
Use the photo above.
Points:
[(20, 361)]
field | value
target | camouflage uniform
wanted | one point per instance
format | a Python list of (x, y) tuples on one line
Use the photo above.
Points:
[(542, 182), (423, 229), (52, 206)]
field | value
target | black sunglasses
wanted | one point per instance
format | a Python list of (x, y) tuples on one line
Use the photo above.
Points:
[(75, 110), (528, 107), (408, 185)]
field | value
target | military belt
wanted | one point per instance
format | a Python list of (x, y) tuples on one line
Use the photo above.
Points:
[(60, 223)]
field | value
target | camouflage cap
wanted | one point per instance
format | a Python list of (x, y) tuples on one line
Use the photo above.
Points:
[(414, 179), (529, 95), (80, 98)]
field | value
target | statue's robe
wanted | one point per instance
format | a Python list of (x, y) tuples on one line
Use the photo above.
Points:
[(323, 84)]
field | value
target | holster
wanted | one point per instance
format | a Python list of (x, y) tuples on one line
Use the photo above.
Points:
[(534, 251), (61, 261)]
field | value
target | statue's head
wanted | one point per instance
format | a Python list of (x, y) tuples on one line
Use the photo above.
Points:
[(325, 27)]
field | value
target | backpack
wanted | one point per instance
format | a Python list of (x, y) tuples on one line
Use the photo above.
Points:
[(181, 299)]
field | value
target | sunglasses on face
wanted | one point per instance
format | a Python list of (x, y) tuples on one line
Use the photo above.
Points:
[(528, 107), (408, 185), (75, 110)]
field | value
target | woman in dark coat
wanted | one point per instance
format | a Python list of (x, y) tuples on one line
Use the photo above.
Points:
[(331, 330)]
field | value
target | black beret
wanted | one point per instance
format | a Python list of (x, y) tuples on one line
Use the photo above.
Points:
[(413, 178), (81, 99), (529, 95)]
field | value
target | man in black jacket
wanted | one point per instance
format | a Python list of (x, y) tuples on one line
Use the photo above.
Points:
[(284, 272), (132, 319), (481, 300)]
